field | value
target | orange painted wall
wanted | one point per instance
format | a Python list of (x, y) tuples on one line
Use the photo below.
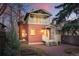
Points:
[(38, 36)]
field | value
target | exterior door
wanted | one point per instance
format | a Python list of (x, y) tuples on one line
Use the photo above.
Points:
[(46, 33)]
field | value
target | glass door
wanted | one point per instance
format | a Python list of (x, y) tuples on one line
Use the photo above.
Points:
[(46, 33)]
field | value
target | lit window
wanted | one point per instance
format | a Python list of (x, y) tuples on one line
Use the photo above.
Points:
[(32, 32), (23, 33), (43, 32)]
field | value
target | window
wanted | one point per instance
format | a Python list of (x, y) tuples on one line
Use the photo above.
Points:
[(32, 16), (32, 32), (23, 33), (58, 31), (38, 19), (45, 32)]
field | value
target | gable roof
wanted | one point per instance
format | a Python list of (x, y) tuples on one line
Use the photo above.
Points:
[(42, 11)]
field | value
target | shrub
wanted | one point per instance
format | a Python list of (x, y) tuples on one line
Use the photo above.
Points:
[(12, 44)]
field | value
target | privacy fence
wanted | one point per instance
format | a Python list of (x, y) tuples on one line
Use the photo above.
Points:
[(74, 40)]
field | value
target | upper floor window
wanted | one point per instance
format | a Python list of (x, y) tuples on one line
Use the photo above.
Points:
[(38, 19), (32, 16)]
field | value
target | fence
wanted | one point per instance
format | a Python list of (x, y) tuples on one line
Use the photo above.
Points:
[(74, 40)]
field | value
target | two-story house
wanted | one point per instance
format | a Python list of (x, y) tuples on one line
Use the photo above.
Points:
[(36, 27)]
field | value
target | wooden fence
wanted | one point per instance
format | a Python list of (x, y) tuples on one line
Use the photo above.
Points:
[(74, 40)]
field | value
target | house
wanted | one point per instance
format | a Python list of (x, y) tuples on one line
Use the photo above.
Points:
[(36, 27)]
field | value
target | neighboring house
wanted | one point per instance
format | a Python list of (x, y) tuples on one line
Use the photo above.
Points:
[(37, 26)]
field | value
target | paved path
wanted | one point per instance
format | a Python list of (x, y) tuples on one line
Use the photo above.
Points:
[(56, 50), (27, 50)]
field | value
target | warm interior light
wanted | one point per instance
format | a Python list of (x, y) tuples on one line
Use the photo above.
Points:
[(42, 31), (32, 32), (45, 32), (23, 33)]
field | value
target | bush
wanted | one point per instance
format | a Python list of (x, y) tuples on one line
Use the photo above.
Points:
[(12, 44)]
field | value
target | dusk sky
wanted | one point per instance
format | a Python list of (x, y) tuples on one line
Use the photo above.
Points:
[(50, 7), (47, 6)]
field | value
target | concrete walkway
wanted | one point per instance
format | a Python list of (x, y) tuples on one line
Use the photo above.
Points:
[(56, 50)]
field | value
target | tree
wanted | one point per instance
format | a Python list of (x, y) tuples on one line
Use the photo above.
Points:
[(11, 11), (2, 8), (14, 13), (66, 10), (12, 45), (71, 27)]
